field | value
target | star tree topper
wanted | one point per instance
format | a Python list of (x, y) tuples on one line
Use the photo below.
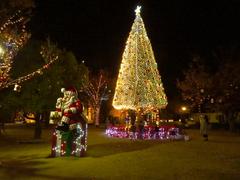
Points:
[(138, 10)]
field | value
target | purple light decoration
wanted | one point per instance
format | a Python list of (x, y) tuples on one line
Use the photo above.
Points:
[(149, 132)]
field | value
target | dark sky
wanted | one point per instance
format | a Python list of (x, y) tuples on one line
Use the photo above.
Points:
[(96, 30)]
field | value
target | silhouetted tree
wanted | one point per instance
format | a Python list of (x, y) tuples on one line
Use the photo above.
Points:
[(96, 90), (215, 91)]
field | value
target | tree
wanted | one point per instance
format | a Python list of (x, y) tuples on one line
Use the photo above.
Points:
[(13, 36), (139, 84), (96, 91), (215, 91), (196, 88), (227, 89), (9, 7)]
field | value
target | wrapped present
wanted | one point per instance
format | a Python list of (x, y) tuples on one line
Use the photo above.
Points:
[(72, 142), (55, 117)]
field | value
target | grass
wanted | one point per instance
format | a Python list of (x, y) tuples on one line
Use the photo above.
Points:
[(111, 158)]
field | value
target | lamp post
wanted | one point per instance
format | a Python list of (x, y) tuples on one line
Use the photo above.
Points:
[(183, 111)]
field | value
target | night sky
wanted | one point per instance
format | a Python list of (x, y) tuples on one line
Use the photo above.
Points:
[(96, 30)]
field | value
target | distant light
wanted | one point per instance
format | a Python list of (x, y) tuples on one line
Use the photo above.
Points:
[(1, 50), (212, 100), (184, 108), (17, 88), (83, 61)]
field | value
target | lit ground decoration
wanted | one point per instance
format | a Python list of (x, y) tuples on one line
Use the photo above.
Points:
[(147, 132)]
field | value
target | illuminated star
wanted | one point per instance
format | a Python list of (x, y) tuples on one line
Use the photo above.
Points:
[(138, 10)]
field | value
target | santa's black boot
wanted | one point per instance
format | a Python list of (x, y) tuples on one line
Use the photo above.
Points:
[(64, 127)]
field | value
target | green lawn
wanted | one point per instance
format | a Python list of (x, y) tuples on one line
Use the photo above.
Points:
[(110, 158)]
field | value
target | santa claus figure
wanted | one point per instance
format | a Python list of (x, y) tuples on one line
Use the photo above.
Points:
[(69, 137), (71, 109)]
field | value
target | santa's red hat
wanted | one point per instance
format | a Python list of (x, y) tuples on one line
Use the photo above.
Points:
[(71, 89)]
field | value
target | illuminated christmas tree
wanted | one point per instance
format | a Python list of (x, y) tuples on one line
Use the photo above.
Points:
[(139, 84)]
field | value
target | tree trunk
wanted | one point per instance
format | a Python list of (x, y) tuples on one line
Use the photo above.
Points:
[(231, 121), (231, 125), (2, 127), (46, 118), (97, 115), (38, 128)]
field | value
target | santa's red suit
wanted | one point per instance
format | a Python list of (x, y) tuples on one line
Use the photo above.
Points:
[(71, 109)]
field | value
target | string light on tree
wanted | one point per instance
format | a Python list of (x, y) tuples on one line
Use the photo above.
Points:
[(13, 36), (139, 84), (1, 51), (17, 87)]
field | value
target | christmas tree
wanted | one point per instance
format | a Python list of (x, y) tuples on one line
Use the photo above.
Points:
[(139, 84)]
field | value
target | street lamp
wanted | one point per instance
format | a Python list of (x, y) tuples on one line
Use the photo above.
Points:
[(184, 108), (183, 113)]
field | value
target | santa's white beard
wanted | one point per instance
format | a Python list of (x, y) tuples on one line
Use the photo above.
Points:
[(68, 102)]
